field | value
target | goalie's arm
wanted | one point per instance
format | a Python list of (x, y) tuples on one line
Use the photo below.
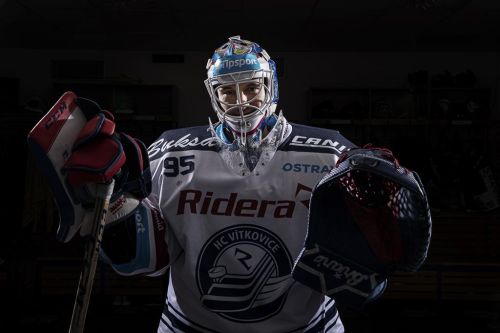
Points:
[(137, 244)]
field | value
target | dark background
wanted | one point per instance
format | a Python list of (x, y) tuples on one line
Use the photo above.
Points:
[(418, 76)]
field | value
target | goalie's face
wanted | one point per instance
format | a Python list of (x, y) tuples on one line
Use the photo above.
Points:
[(241, 99)]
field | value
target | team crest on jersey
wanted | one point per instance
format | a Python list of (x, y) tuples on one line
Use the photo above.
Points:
[(243, 273)]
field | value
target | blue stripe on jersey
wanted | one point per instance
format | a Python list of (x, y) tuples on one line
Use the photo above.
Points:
[(168, 325), (177, 324), (320, 326), (329, 315), (331, 325)]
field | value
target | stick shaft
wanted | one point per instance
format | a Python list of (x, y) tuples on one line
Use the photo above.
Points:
[(91, 258)]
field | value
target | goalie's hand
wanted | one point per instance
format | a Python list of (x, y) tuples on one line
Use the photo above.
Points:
[(389, 205), (97, 154), (100, 154), (367, 218)]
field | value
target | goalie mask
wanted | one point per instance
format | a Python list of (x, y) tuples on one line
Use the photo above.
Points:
[(243, 88)]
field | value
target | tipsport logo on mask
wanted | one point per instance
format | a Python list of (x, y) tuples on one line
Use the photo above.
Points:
[(231, 64)]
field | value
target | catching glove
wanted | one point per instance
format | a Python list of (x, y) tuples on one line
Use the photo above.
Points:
[(368, 217)]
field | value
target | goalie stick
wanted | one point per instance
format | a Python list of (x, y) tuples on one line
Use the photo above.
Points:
[(103, 195)]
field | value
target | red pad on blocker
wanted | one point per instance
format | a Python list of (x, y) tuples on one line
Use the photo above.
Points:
[(95, 162)]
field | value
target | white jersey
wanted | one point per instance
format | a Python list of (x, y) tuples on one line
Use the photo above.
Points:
[(233, 234)]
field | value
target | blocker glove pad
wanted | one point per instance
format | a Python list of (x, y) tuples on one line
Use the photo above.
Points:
[(76, 146), (368, 217), (97, 155)]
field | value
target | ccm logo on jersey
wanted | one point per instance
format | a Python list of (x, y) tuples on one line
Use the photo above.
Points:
[(303, 141), (198, 202)]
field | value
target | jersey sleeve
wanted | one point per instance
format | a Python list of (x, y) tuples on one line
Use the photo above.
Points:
[(344, 142), (137, 244), (316, 140), (141, 243)]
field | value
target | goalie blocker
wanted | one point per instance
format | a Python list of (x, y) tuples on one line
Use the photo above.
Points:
[(76, 146), (368, 217)]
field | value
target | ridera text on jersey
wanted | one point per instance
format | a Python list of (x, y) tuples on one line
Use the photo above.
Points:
[(198, 202)]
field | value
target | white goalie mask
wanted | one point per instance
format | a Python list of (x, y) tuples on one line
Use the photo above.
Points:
[(243, 87)]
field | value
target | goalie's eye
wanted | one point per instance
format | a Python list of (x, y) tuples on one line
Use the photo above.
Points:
[(227, 91), (253, 88)]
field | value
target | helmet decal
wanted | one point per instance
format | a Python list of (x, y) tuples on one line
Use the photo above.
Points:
[(234, 63)]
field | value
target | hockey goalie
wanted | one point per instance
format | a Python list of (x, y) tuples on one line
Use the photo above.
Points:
[(262, 224)]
